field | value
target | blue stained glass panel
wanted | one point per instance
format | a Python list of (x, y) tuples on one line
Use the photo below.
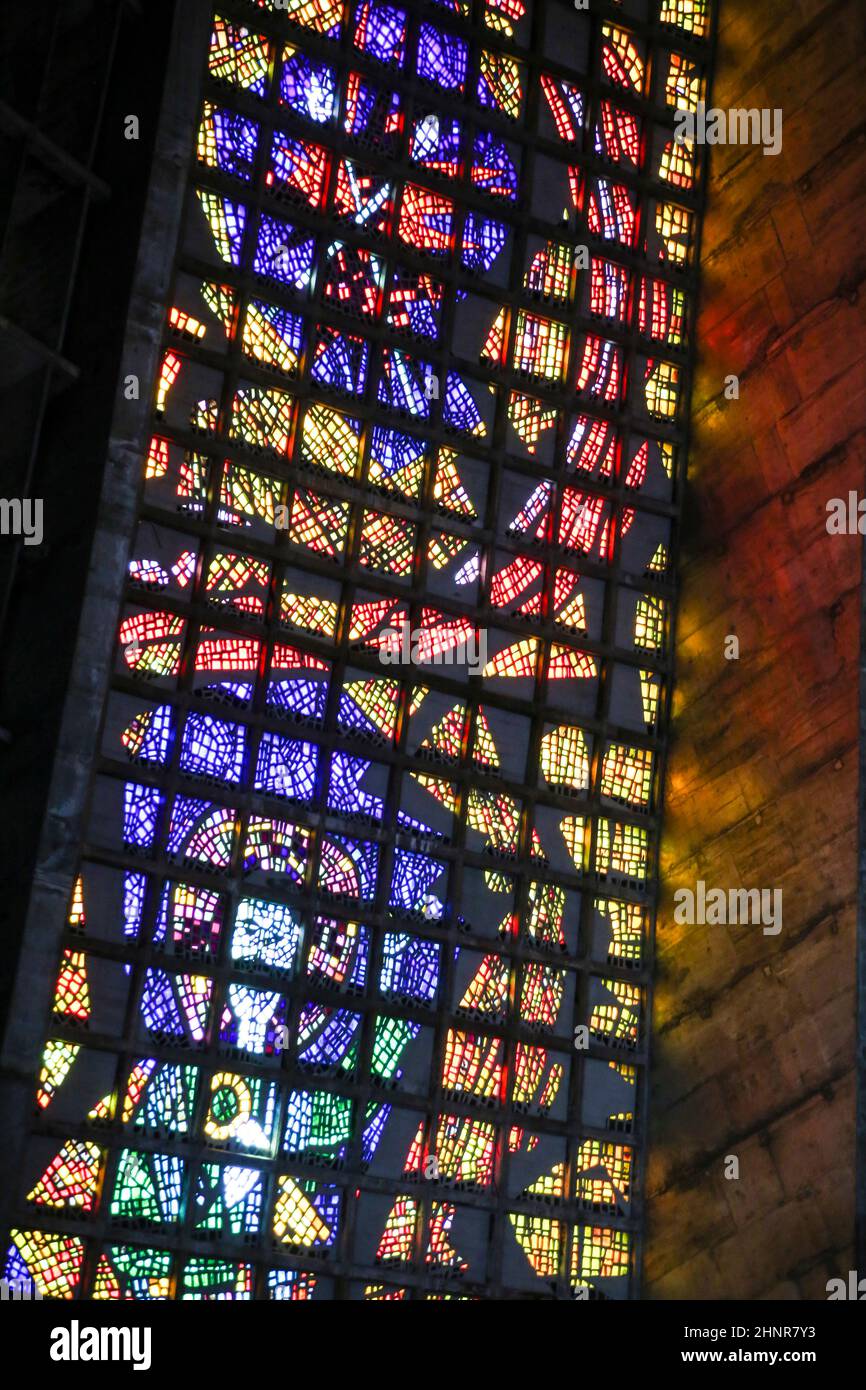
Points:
[(309, 87), (442, 58)]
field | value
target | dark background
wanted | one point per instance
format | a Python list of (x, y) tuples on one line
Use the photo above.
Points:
[(70, 218)]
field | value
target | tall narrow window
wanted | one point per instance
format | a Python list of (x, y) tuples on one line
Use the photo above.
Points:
[(354, 978)]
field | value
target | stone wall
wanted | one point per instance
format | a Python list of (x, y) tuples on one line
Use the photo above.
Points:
[(754, 1035)]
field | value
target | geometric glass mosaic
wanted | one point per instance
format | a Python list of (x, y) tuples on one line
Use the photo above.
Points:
[(352, 1000)]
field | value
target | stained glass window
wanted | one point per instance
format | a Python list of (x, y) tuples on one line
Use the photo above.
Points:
[(377, 803)]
